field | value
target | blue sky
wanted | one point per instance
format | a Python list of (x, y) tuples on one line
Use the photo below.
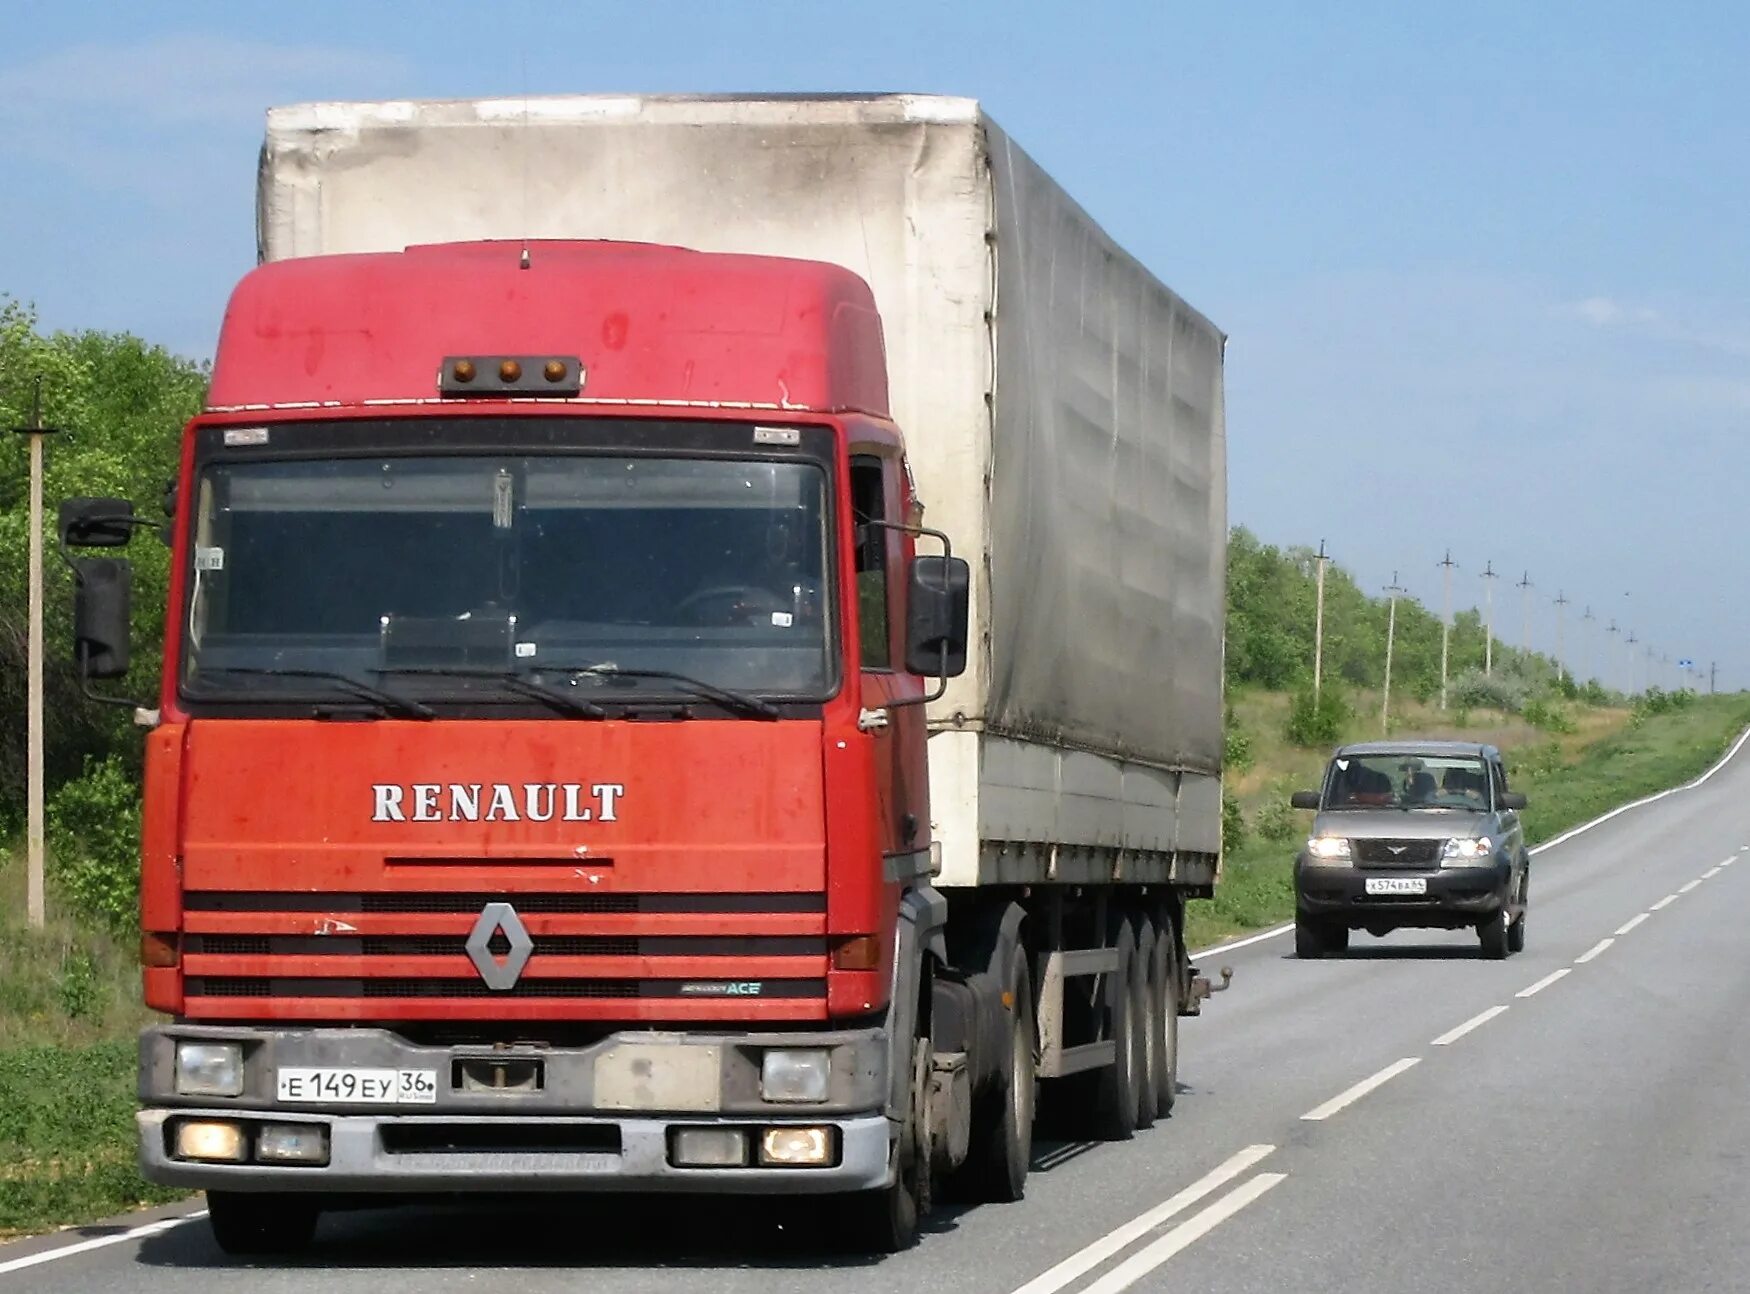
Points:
[(1485, 269)]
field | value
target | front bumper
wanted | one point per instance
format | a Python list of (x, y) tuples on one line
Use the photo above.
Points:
[(1454, 896), (600, 1117)]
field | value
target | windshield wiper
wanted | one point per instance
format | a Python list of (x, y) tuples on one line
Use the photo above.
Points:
[(735, 702), (512, 681), (406, 707)]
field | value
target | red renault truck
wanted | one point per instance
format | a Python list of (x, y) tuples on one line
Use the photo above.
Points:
[(694, 664)]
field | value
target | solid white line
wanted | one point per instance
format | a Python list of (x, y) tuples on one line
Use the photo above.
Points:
[(1083, 1261), (1631, 923), (1688, 886), (1587, 826), (1360, 1089), (1453, 1035), (1544, 983), (1247, 942), (1665, 902), (86, 1246), (1193, 1228), (1593, 951)]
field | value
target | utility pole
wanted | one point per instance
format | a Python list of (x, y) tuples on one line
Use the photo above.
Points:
[(1525, 614), (1319, 627), (1445, 620), (1609, 629), (1587, 653), (1561, 603), (1391, 631), (33, 813), (1713, 670), (1489, 578), (1632, 640)]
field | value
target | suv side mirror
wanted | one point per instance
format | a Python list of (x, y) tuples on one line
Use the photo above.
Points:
[(938, 609), (1514, 800), (101, 604), (97, 523), (1304, 800)]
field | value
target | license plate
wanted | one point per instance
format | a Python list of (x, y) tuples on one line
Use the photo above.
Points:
[(359, 1086), (1397, 885)]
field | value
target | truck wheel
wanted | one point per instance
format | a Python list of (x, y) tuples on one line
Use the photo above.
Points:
[(1493, 934), (246, 1224), (1115, 1102), (1001, 1152), (886, 1221), (1166, 1073), (1149, 1018)]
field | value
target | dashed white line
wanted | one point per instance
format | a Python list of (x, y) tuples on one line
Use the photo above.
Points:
[(1085, 1260), (1544, 983), (86, 1246), (1481, 1018), (1593, 951), (1665, 902), (1360, 1089), (1711, 872), (1193, 1228), (1688, 886), (1631, 923)]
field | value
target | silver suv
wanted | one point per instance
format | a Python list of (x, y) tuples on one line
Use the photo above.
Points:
[(1412, 833)]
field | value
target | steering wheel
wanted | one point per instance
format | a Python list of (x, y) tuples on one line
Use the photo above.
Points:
[(731, 604)]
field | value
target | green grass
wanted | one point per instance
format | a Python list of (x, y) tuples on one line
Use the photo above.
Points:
[(1613, 757)]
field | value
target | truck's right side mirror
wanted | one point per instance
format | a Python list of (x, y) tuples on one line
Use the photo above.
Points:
[(1304, 800), (102, 595), (938, 608)]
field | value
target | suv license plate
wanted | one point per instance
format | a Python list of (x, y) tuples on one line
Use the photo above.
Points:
[(1397, 885), (359, 1086)]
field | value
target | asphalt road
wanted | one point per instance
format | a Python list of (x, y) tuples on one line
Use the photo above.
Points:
[(1409, 1117)]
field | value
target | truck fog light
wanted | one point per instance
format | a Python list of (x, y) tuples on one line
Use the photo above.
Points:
[(210, 1140), (708, 1148), (209, 1068), (292, 1143), (799, 1075), (796, 1147)]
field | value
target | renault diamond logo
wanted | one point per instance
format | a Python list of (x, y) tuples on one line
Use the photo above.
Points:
[(499, 975)]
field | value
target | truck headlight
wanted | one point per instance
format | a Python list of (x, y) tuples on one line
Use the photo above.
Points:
[(1468, 848), (209, 1068), (1328, 849), (795, 1075)]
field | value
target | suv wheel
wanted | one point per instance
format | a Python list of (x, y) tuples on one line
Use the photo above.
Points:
[(1493, 934), (1315, 938)]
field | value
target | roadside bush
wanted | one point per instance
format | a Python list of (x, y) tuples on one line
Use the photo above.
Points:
[(1318, 721), (1657, 701), (1276, 821), (1233, 824), (1237, 753), (94, 835), (1474, 690), (1548, 716)]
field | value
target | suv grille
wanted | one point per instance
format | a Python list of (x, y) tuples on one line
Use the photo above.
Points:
[(1397, 853)]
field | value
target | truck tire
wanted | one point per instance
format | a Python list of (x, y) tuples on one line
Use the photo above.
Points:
[(1149, 1021), (886, 1221), (1001, 1151), (1166, 1072), (259, 1224), (1115, 1086), (1493, 936)]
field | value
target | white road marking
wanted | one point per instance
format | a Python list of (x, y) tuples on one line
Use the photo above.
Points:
[(1545, 982), (1665, 902), (1247, 942), (1193, 1228), (86, 1246), (1360, 1089), (1686, 888), (1593, 951), (1083, 1261), (1631, 923), (1481, 1018), (1711, 872)]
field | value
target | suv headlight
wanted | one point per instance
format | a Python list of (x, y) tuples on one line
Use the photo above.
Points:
[(1328, 849), (1468, 848), (209, 1068)]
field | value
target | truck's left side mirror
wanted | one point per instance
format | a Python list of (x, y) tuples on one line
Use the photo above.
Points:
[(97, 523), (101, 604), (938, 607)]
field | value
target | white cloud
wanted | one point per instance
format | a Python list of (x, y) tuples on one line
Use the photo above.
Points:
[(1602, 312)]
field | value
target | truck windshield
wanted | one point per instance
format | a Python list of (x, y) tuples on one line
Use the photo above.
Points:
[(1407, 782), (427, 574)]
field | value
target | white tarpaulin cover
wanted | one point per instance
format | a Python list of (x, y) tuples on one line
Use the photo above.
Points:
[(1062, 408)]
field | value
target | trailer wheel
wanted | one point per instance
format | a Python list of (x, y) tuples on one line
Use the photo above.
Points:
[(1115, 1100), (1001, 1153), (1169, 991), (1149, 1020), (259, 1224), (886, 1221)]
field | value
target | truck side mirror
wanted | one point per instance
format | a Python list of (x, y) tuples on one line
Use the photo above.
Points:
[(97, 523), (1304, 800), (1514, 800), (103, 591), (938, 608)]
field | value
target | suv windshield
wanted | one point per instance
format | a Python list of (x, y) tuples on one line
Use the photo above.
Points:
[(1407, 782), (416, 571)]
